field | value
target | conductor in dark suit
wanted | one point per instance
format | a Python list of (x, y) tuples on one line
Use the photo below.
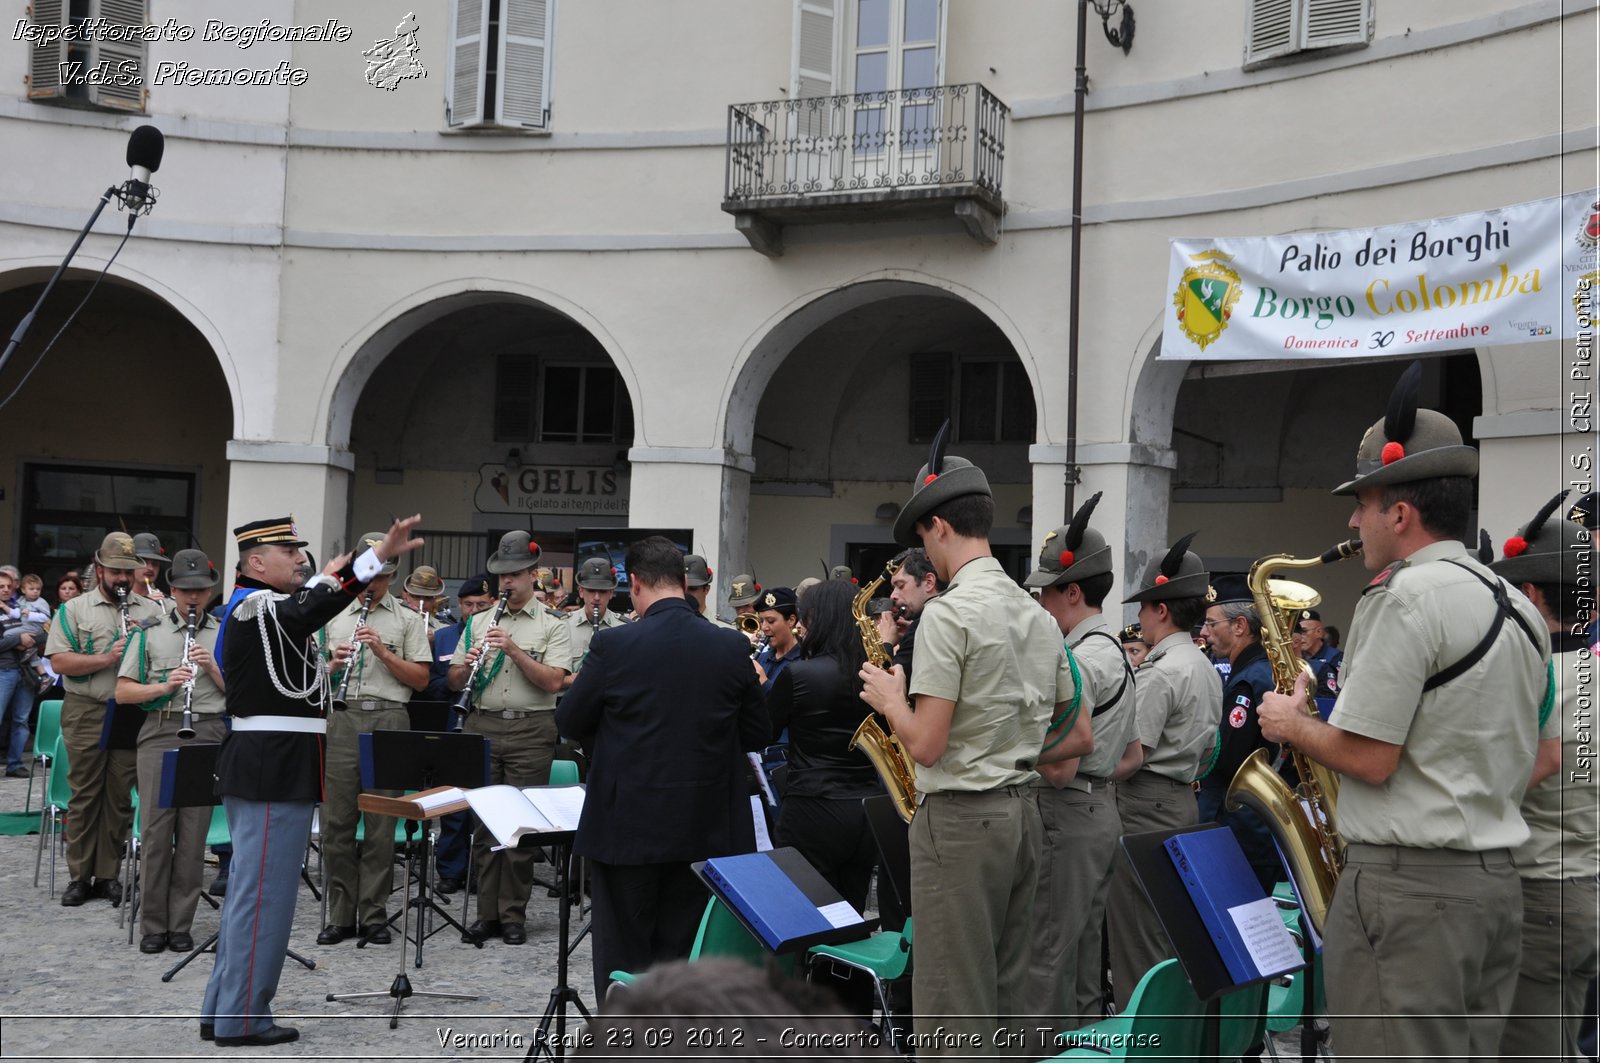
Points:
[(666, 708)]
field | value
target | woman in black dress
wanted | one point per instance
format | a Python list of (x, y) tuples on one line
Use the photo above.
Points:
[(817, 699)]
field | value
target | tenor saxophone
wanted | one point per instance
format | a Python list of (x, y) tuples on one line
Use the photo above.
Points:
[(1300, 819), (883, 748)]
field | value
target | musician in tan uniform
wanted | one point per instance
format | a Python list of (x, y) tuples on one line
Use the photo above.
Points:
[(1178, 704), (1079, 814), (154, 671), (85, 647), (597, 583), (423, 593), (697, 580), (1433, 735), (992, 687), (377, 662), (514, 699), (1559, 862)]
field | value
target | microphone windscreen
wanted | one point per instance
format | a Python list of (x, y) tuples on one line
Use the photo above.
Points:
[(145, 146)]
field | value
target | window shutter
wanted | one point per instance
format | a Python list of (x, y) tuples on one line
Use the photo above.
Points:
[(1334, 22), (469, 34), (814, 48), (513, 398), (1270, 30), (524, 64), (117, 53), (930, 395), (44, 60)]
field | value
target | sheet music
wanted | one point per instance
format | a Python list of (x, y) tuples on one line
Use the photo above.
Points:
[(1265, 937), (840, 914), (507, 813), (448, 796), (561, 806), (758, 816)]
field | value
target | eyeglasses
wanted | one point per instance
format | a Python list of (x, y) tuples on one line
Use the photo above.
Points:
[(1209, 624)]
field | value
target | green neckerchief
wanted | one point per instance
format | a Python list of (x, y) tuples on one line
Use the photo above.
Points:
[(1549, 693), (484, 677), (150, 706), (88, 647), (1071, 713)]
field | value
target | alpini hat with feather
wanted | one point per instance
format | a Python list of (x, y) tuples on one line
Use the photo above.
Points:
[(937, 482), (1072, 553), (1409, 444), (1178, 574), (1546, 549)]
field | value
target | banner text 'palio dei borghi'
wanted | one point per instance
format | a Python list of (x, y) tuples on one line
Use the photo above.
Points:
[(1474, 280)]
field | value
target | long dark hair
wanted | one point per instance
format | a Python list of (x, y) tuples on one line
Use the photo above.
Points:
[(830, 628)]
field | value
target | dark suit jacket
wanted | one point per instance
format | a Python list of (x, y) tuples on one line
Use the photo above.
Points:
[(667, 708)]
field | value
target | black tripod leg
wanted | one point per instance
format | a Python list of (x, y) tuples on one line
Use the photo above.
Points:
[(208, 945)]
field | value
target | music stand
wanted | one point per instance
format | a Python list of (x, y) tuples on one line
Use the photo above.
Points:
[(562, 994), (188, 780)]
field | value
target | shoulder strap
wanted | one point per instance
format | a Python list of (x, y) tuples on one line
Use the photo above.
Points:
[(1127, 671), (1503, 609)]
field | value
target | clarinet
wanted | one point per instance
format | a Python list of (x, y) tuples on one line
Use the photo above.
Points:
[(186, 727), (339, 702), (463, 702), (122, 604)]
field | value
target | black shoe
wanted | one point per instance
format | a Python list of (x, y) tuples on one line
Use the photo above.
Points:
[(377, 934), (513, 934), (485, 928), (109, 889), (153, 943), (76, 893), (178, 941), (208, 1032), (332, 935), (451, 885), (219, 888), (18, 773), (272, 1035)]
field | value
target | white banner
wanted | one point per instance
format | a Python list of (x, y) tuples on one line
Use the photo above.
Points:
[(1476, 280), (585, 490)]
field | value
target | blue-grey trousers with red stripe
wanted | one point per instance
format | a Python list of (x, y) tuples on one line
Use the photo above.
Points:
[(269, 842)]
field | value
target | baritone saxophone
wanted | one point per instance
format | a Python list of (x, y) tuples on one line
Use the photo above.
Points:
[(883, 748)]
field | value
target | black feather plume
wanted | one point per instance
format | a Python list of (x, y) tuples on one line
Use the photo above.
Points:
[(1537, 523), (941, 438), (1080, 522), (1402, 415), (1174, 559), (1485, 547), (824, 564)]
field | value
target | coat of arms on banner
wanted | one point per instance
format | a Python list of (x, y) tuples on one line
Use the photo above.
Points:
[(1205, 297)]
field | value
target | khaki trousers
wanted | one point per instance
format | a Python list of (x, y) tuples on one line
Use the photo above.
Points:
[(1421, 953), (360, 873), (1145, 802), (974, 870), (102, 791), (172, 841), (520, 752), (1558, 963), (1080, 838)]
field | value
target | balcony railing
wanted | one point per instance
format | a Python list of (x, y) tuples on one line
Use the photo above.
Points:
[(813, 158)]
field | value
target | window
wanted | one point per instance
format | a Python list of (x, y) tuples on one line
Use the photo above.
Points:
[(991, 398), (1277, 29), (68, 509), (559, 402), (499, 64), (103, 68)]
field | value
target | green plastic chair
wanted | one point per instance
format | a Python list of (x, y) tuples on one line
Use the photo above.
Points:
[(53, 811), (45, 733), (563, 773), (885, 956), (1161, 1021), (720, 934), (128, 872), (1286, 1008)]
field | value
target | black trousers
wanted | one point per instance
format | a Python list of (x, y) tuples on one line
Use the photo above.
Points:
[(833, 835), (643, 914)]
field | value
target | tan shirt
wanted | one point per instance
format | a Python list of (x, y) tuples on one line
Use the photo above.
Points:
[(163, 654), (986, 645), (1178, 706), (535, 631), (95, 621), (1467, 746), (1563, 811), (1103, 667), (404, 633), (580, 629)]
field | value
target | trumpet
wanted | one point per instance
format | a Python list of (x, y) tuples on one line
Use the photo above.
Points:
[(186, 727), (463, 702), (340, 701)]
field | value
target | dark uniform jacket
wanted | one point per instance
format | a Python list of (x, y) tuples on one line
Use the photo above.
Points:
[(1240, 728), (817, 700), (276, 765), (667, 708)]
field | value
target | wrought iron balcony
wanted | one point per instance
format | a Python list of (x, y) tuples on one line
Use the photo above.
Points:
[(926, 152)]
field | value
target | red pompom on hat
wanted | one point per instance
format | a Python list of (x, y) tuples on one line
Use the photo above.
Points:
[(1160, 580), (1393, 452), (928, 479), (1516, 546), (758, 588), (1066, 559), (708, 572), (533, 547)]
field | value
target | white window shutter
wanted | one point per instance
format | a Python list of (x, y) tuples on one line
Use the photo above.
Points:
[(523, 91), (469, 36), (1271, 29), (1330, 23), (121, 56), (44, 60), (815, 48)]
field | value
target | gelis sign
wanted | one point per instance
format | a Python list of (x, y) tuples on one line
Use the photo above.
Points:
[(1498, 277), (573, 489)]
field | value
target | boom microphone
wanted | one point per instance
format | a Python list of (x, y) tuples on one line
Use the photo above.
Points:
[(145, 147)]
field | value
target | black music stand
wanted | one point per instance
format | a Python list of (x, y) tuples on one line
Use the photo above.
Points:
[(562, 994), (188, 780)]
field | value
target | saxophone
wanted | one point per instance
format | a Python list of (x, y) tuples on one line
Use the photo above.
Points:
[(1300, 819), (882, 748)]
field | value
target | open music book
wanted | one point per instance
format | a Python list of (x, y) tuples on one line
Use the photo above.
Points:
[(511, 814)]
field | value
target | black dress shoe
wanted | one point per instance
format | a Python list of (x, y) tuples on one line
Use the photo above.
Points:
[(153, 943), (377, 934), (178, 941), (76, 893), (272, 1035), (332, 935), (110, 889), (514, 934), (485, 928), (219, 888), (208, 1031), (451, 885)]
